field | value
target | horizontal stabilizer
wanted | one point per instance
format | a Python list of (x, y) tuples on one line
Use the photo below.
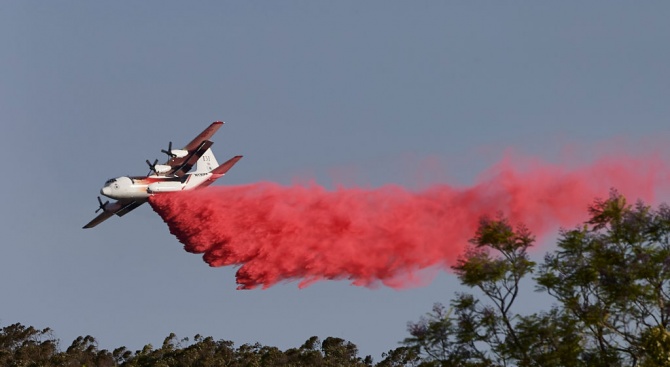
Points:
[(219, 171), (222, 169)]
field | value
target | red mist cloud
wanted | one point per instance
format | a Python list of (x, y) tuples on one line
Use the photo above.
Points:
[(386, 235)]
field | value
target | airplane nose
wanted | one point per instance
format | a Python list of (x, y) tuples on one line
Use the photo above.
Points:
[(105, 191)]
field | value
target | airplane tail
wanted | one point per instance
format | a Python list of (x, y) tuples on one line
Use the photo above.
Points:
[(208, 170), (206, 163)]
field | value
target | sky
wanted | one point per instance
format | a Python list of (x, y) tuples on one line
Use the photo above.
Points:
[(354, 93)]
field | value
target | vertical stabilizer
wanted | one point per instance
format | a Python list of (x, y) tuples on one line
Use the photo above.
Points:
[(207, 162)]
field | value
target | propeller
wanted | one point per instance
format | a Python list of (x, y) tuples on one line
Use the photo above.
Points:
[(102, 206), (169, 151), (152, 167)]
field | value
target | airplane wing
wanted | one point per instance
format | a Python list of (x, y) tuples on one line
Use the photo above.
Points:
[(119, 208), (180, 166), (205, 135), (99, 219)]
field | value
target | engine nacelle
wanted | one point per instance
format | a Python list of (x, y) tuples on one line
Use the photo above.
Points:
[(159, 187), (179, 153), (162, 168)]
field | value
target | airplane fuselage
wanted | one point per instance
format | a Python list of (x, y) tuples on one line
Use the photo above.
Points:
[(138, 187)]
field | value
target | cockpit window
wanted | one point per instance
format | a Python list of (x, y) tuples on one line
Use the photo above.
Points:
[(111, 180)]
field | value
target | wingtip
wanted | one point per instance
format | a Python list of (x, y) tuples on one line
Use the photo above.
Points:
[(218, 123)]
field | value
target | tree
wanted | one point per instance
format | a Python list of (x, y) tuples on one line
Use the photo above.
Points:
[(339, 352), (308, 354), (470, 332), (498, 278), (27, 346), (613, 276), (400, 357), (204, 352), (84, 352)]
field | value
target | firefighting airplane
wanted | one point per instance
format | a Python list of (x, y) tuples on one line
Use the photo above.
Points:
[(172, 176)]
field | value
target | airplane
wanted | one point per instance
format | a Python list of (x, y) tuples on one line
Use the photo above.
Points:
[(173, 176)]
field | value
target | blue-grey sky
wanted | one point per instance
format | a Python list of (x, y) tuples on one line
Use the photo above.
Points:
[(363, 92)]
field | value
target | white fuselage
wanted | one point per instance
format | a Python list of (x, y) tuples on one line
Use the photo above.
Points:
[(123, 188)]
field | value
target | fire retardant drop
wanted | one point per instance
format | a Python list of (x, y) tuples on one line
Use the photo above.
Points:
[(386, 235)]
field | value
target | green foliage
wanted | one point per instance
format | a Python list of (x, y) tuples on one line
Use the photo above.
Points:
[(549, 339), (656, 345), (29, 347), (473, 333), (400, 357), (613, 277)]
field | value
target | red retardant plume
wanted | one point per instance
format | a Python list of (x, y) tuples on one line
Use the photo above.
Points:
[(386, 235)]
